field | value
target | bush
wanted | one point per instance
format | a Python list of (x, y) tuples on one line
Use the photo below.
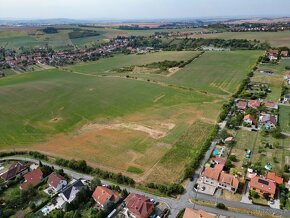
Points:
[(221, 206)]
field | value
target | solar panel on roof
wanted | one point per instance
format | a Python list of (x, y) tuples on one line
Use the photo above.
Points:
[(264, 182)]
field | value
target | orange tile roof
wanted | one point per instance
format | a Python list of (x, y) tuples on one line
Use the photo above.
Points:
[(272, 176), (265, 185), (103, 194), (249, 117), (229, 179), (32, 178), (191, 213), (212, 173)]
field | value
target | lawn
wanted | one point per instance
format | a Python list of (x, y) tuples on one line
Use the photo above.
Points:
[(284, 118), (125, 125)]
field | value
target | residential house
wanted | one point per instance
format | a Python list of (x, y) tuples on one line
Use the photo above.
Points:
[(284, 53), (271, 105), (267, 121), (249, 120), (263, 186), (273, 55), (32, 178), (215, 176), (191, 213), (273, 177), (139, 206), (286, 99), (254, 103), (102, 195), (266, 71), (57, 182), (287, 78), (228, 182), (18, 168), (70, 192), (242, 105)]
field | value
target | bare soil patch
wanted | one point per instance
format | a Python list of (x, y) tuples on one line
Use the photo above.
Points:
[(153, 133), (172, 71), (55, 120)]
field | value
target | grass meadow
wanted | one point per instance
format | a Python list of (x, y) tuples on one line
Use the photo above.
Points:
[(119, 124)]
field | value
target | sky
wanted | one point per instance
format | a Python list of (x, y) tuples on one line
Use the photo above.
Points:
[(141, 9)]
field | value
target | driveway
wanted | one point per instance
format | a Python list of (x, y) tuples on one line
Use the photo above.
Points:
[(276, 204), (245, 194)]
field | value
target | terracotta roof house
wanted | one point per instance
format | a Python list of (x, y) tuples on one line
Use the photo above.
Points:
[(228, 181), (273, 177), (284, 53), (242, 105), (263, 186), (56, 181), (32, 178), (254, 103), (214, 176), (70, 192), (249, 119), (268, 121), (102, 195), (273, 54), (139, 206), (16, 169), (191, 213), (271, 105)]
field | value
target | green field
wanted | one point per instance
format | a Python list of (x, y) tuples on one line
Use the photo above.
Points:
[(276, 39), (124, 124)]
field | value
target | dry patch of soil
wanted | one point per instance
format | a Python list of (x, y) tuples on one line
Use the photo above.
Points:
[(172, 71), (55, 120), (153, 133)]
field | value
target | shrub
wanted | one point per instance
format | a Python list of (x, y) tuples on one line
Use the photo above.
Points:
[(221, 206)]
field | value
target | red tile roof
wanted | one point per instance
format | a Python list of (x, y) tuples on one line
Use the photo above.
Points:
[(250, 117), (103, 194), (32, 178), (54, 179), (254, 103), (272, 176), (191, 213), (284, 53), (265, 185), (139, 205), (271, 104), (242, 105)]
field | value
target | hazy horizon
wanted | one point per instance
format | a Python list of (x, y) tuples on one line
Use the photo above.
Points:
[(141, 9)]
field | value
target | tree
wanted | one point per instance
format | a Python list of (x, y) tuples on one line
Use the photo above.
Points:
[(57, 213), (94, 183)]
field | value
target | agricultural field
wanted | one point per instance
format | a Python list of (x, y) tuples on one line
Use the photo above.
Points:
[(127, 125), (276, 39), (32, 37)]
